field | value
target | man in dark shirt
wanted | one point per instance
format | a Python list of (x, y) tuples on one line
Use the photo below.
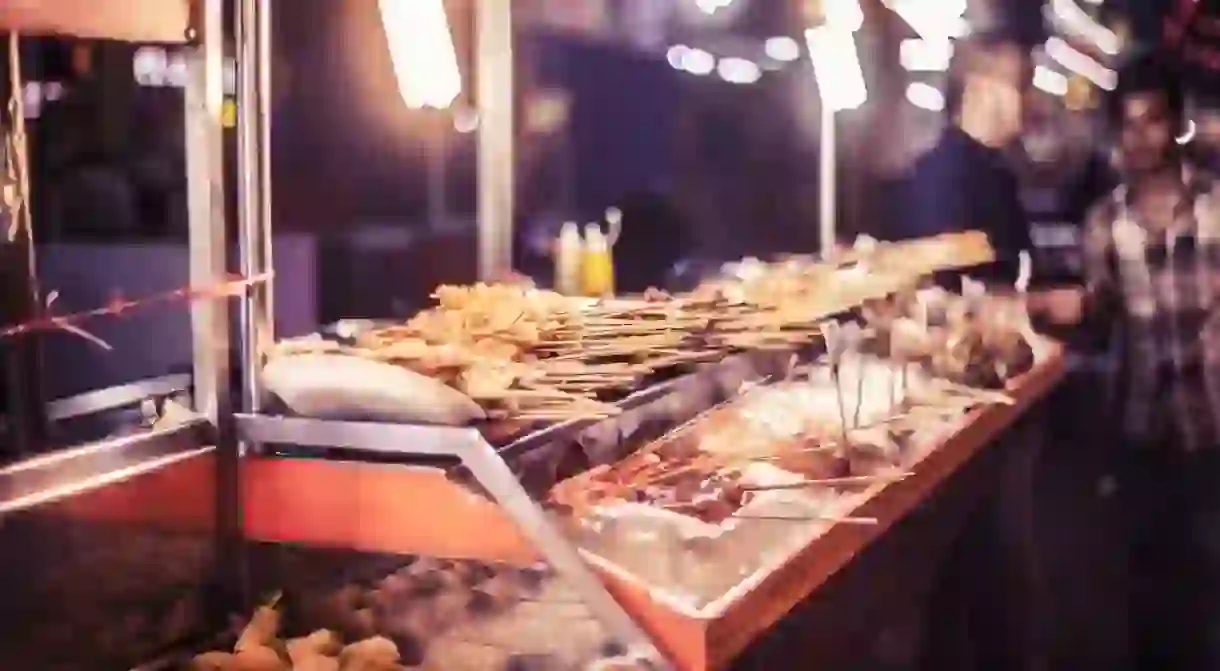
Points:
[(965, 182)]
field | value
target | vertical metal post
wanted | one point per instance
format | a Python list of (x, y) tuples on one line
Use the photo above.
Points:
[(494, 94), (438, 177), (253, 188), (206, 212), (827, 193), (210, 340), (264, 294)]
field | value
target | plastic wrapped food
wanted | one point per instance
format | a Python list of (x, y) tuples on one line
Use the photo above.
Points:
[(335, 386)]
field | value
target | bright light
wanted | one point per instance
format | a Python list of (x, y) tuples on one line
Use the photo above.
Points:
[(52, 91), (1081, 64), (934, 20), (925, 96), (421, 48), (149, 65), (677, 56), (31, 100), (176, 73), (843, 14), (1079, 23), (783, 49), (925, 55), (1050, 81), (1189, 133), (738, 71), (710, 7), (837, 67), (698, 62), (465, 120)]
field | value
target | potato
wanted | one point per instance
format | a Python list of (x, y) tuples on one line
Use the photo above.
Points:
[(322, 642), (211, 661), (316, 663), (259, 659), (371, 653), (263, 628)]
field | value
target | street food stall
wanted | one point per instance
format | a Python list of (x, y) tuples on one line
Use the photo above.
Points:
[(513, 478)]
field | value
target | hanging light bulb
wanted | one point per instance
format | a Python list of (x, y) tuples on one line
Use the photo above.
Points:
[(421, 49)]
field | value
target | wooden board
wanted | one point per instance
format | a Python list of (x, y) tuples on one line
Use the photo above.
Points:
[(128, 20)]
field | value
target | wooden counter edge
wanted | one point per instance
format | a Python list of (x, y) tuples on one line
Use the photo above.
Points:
[(799, 577)]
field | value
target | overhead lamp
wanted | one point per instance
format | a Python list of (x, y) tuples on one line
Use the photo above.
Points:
[(836, 67), (421, 50)]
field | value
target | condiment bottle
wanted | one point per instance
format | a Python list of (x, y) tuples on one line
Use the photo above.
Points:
[(569, 248), (597, 266)]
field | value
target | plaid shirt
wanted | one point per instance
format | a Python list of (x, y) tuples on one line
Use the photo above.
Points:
[(1162, 293)]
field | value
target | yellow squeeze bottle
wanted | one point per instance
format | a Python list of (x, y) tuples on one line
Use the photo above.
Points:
[(569, 249), (597, 266)]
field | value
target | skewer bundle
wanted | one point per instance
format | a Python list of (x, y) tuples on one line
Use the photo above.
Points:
[(529, 354)]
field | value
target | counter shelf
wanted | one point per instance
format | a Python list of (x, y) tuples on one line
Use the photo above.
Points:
[(376, 507)]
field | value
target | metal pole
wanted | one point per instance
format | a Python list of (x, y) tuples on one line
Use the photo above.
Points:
[(827, 196), (438, 182), (210, 339), (206, 214), (253, 177), (494, 74), (265, 293)]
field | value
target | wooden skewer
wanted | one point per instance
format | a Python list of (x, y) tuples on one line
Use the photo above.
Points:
[(830, 482), (810, 518), (535, 393)]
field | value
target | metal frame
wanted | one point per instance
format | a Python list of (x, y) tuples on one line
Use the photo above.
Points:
[(81, 468), (827, 182), (497, 132), (208, 242)]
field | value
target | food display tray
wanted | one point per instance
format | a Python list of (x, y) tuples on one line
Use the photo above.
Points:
[(375, 505)]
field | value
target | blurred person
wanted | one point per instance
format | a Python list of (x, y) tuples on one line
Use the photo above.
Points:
[(965, 181), (1152, 285), (988, 585)]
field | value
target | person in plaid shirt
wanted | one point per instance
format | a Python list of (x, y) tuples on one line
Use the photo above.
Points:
[(1152, 283)]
